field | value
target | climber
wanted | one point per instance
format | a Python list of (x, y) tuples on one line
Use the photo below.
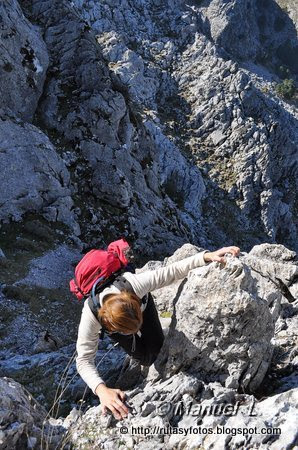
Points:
[(128, 314)]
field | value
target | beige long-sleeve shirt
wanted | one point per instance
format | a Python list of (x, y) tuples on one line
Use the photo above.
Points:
[(142, 284)]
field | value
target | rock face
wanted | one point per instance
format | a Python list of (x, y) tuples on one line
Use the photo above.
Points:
[(34, 179), (212, 86), (131, 86), (182, 413), (134, 174), (223, 335), (165, 297), (21, 417), (224, 327), (24, 61), (252, 30), (243, 304)]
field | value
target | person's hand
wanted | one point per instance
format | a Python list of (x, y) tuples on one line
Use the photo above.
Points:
[(112, 399), (218, 255)]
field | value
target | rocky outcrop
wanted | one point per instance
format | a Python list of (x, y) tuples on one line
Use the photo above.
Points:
[(24, 61), (33, 176), (131, 86), (22, 419), (163, 124), (225, 114), (226, 320), (183, 413), (133, 173), (241, 304), (252, 30), (224, 327), (246, 150), (234, 383)]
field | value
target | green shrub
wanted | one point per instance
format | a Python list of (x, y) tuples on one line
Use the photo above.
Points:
[(286, 88)]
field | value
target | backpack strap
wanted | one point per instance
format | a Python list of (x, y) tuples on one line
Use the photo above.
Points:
[(92, 299)]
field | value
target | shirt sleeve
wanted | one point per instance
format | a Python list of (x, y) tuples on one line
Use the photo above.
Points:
[(148, 281), (87, 345)]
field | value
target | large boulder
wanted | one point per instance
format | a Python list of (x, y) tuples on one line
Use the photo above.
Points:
[(225, 317), (180, 64), (34, 177), (24, 60), (253, 29), (223, 326), (219, 347), (164, 298), (234, 22)]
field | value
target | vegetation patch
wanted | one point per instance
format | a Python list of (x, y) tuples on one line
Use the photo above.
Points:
[(286, 89)]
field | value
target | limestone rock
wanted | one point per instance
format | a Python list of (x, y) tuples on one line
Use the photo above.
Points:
[(250, 423), (46, 342), (279, 264), (243, 164), (129, 67), (181, 412), (184, 68), (248, 29), (135, 175), (22, 418), (52, 270), (224, 327), (24, 61), (164, 298), (223, 319), (33, 177)]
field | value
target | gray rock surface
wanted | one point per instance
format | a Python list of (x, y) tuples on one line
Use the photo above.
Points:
[(24, 61), (252, 29), (53, 269), (235, 380), (224, 322), (164, 298), (22, 418), (226, 114), (163, 124), (131, 86), (224, 327), (134, 173), (183, 413), (33, 176)]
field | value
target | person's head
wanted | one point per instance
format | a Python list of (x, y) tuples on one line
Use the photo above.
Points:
[(121, 313)]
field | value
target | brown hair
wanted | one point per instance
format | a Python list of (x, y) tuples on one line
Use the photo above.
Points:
[(121, 312)]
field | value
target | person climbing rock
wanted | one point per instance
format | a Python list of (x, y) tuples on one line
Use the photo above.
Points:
[(126, 311)]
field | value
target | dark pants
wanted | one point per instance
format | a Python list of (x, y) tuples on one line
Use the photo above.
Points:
[(149, 344)]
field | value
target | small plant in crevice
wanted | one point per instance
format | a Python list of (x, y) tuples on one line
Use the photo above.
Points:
[(286, 89)]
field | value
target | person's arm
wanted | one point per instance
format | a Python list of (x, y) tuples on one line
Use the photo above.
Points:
[(150, 280), (87, 345)]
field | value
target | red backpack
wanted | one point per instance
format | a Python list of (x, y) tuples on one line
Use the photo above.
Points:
[(99, 267)]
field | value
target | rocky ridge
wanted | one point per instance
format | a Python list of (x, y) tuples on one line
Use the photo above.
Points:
[(193, 122)]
